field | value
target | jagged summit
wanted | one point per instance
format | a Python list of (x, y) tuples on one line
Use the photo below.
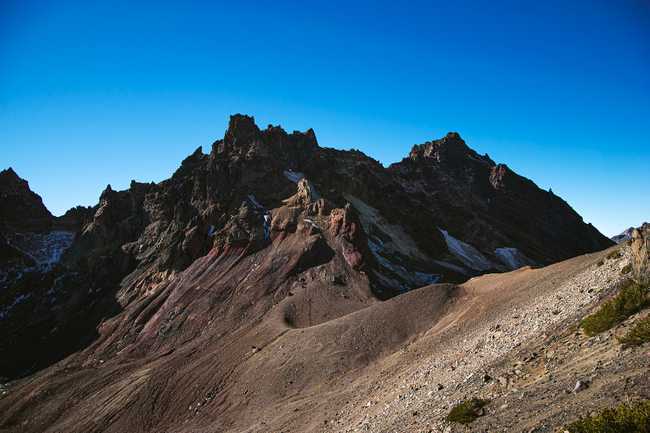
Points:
[(243, 139), (8, 172), (451, 149), (21, 208)]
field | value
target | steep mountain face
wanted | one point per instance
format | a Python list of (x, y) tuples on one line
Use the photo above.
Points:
[(489, 206), (244, 247), (21, 209)]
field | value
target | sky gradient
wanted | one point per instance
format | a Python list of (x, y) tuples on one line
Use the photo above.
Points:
[(559, 91)]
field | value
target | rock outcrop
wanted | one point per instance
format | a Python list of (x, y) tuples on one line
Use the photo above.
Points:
[(22, 209), (640, 247)]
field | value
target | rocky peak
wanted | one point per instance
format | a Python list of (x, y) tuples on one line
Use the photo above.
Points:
[(242, 135), (189, 164), (242, 129), (107, 193), (451, 149), (20, 208), (9, 173), (243, 140), (451, 144)]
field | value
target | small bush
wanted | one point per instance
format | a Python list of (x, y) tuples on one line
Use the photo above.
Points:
[(629, 300), (626, 418), (467, 411), (638, 335), (626, 269)]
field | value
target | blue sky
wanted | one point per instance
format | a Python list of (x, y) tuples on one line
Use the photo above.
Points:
[(94, 93)]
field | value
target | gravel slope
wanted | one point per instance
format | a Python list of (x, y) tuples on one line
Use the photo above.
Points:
[(492, 350)]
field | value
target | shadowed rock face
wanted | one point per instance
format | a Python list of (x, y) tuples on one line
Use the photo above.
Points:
[(489, 206), (641, 254), (21, 209), (266, 233)]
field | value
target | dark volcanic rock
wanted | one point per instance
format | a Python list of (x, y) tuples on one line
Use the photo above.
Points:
[(489, 206), (21, 209)]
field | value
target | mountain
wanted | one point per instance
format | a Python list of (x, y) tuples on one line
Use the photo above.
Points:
[(266, 269), (626, 234), (22, 209)]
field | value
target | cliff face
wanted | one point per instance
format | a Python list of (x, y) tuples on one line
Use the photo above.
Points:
[(268, 210), (21, 208)]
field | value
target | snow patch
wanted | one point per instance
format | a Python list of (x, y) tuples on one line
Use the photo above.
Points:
[(512, 257), (18, 300), (266, 215), (45, 249), (413, 278), (293, 176), (466, 253)]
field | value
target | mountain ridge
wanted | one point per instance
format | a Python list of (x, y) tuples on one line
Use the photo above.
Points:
[(442, 214), (263, 268)]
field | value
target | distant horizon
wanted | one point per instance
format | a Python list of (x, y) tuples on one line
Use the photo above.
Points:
[(94, 94)]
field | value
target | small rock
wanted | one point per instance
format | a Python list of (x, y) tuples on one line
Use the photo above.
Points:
[(581, 385)]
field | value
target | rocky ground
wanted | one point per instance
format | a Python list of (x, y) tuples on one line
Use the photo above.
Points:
[(536, 367)]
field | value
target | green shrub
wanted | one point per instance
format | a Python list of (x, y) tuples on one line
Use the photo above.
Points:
[(467, 411), (638, 335), (629, 300), (626, 418)]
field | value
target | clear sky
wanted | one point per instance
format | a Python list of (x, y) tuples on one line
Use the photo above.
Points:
[(93, 93)]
